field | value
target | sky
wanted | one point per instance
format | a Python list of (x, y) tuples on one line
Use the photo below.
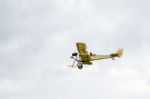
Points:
[(37, 38)]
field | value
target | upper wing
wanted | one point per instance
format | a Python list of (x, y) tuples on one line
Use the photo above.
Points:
[(83, 53)]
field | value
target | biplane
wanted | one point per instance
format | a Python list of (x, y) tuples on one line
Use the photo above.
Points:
[(83, 57)]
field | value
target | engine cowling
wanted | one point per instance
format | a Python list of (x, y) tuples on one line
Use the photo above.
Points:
[(74, 54)]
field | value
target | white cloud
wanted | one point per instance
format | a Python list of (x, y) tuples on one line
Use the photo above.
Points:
[(37, 38)]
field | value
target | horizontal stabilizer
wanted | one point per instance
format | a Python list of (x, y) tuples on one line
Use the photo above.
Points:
[(118, 53)]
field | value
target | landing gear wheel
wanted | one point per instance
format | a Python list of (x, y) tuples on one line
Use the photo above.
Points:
[(80, 66)]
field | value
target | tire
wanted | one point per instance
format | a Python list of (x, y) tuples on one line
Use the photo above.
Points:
[(80, 66)]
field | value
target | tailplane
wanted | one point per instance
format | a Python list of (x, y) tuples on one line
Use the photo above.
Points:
[(118, 53)]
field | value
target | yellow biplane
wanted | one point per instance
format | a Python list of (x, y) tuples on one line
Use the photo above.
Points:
[(83, 57)]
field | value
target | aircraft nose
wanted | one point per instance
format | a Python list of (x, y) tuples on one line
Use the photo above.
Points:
[(74, 54)]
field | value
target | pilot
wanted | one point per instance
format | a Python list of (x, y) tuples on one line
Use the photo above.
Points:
[(91, 54)]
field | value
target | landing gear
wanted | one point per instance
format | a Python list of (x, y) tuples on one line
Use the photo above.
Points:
[(80, 66)]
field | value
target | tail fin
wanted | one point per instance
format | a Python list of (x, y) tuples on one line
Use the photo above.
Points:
[(118, 53)]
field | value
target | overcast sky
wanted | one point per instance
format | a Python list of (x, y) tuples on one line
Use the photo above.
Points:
[(37, 38)]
